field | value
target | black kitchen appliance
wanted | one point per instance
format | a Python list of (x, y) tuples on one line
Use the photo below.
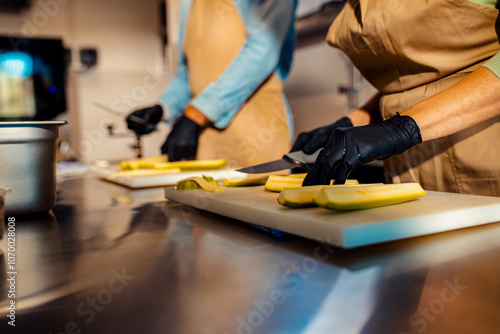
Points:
[(32, 78)]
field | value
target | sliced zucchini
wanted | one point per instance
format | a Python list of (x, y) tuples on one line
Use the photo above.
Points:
[(303, 197), (245, 182), (354, 198), (279, 182), (192, 164), (299, 197), (142, 162), (195, 182)]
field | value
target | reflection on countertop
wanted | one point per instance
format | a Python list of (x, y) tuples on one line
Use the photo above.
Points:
[(113, 260)]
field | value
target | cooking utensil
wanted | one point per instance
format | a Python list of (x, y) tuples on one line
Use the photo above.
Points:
[(289, 160), (137, 146), (28, 151), (108, 109), (121, 114)]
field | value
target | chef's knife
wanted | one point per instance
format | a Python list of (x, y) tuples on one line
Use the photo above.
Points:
[(289, 160)]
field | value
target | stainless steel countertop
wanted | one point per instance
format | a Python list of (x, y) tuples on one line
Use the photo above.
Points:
[(113, 260)]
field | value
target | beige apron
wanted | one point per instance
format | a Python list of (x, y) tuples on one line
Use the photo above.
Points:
[(411, 50), (215, 33)]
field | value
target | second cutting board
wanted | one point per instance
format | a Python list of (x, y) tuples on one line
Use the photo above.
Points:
[(157, 178)]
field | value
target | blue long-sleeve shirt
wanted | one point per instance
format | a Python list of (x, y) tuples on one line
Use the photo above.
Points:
[(268, 48)]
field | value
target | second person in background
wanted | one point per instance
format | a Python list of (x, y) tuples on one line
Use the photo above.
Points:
[(226, 100)]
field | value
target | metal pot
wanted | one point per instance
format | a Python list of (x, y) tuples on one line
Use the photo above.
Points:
[(28, 155)]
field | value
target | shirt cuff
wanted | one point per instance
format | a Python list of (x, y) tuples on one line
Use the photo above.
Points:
[(494, 64), (168, 113)]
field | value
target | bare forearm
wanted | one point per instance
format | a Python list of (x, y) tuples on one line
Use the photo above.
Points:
[(367, 114), (471, 101)]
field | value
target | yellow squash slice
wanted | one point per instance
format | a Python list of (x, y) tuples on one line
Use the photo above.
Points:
[(245, 182), (161, 162), (192, 164), (299, 197), (354, 198), (205, 183), (279, 182), (142, 162), (303, 197)]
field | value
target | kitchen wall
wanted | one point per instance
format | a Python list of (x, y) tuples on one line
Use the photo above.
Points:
[(131, 69)]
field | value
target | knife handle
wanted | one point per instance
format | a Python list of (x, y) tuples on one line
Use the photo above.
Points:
[(300, 158)]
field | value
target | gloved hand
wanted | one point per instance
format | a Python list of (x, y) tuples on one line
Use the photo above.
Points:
[(349, 147), (143, 121), (311, 141), (182, 141)]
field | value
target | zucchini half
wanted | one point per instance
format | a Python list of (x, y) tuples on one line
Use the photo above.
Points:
[(355, 198)]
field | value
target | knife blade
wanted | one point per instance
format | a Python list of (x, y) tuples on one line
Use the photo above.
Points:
[(289, 160)]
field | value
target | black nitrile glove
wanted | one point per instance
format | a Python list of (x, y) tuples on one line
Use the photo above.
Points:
[(182, 141), (143, 121), (349, 147), (311, 141)]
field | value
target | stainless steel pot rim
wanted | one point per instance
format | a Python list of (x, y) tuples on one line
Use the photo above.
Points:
[(34, 123)]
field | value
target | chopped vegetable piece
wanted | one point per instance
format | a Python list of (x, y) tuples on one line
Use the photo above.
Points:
[(303, 197), (300, 175), (209, 179), (278, 182), (297, 199), (187, 185), (142, 162), (244, 182), (354, 198), (192, 164), (195, 182)]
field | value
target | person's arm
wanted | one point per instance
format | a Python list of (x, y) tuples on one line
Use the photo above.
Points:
[(178, 93), (267, 24), (467, 103), (311, 141), (369, 113), (473, 100)]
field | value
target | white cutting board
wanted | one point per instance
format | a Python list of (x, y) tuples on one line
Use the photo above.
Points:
[(162, 179), (435, 212)]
